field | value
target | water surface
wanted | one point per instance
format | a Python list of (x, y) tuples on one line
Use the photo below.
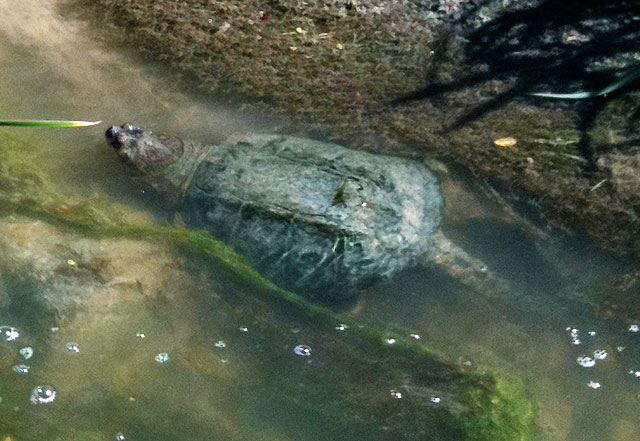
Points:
[(223, 348)]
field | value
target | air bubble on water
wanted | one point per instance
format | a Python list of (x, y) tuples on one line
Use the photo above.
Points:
[(21, 369), (8, 333), (434, 400), (140, 335), (634, 373), (586, 361), (389, 340), (414, 336), (302, 350), (592, 333), (119, 436), (220, 344), (244, 329), (54, 329), (634, 328), (593, 385), (600, 354), (342, 327), (26, 352), (396, 395), (72, 348), (162, 357), (620, 348), (575, 335), (44, 394)]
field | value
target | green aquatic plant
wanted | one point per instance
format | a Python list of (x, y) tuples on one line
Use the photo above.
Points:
[(498, 412), (46, 123), (616, 85)]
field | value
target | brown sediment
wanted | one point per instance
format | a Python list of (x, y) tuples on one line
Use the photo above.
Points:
[(327, 65)]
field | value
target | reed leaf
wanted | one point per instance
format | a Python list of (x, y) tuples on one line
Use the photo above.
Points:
[(46, 123)]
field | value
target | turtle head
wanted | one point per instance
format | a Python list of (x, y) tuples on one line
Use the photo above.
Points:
[(143, 150)]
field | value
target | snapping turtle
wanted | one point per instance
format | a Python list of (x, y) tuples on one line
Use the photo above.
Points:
[(314, 217)]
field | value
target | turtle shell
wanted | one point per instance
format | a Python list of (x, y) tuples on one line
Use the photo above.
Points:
[(315, 217)]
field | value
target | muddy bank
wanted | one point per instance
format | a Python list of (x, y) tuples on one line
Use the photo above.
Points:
[(385, 75)]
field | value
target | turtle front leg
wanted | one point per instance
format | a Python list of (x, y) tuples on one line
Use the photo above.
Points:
[(470, 272)]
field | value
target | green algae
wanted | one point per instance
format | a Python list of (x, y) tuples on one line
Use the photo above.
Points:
[(499, 412), (479, 406)]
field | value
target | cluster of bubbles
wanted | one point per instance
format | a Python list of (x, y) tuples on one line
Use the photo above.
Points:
[(43, 394), (8, 334), (397, 395), (586, 361), (589, 361), (575, 337), (46, 394)]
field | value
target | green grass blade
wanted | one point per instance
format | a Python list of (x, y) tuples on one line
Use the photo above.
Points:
[(46, 123)]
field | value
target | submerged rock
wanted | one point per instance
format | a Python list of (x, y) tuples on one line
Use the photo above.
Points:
[(42, 287)]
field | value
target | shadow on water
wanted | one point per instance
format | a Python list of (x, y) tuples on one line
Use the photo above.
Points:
[(557, 47)]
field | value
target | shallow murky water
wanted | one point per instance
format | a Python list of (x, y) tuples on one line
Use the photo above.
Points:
[(179, 357)]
